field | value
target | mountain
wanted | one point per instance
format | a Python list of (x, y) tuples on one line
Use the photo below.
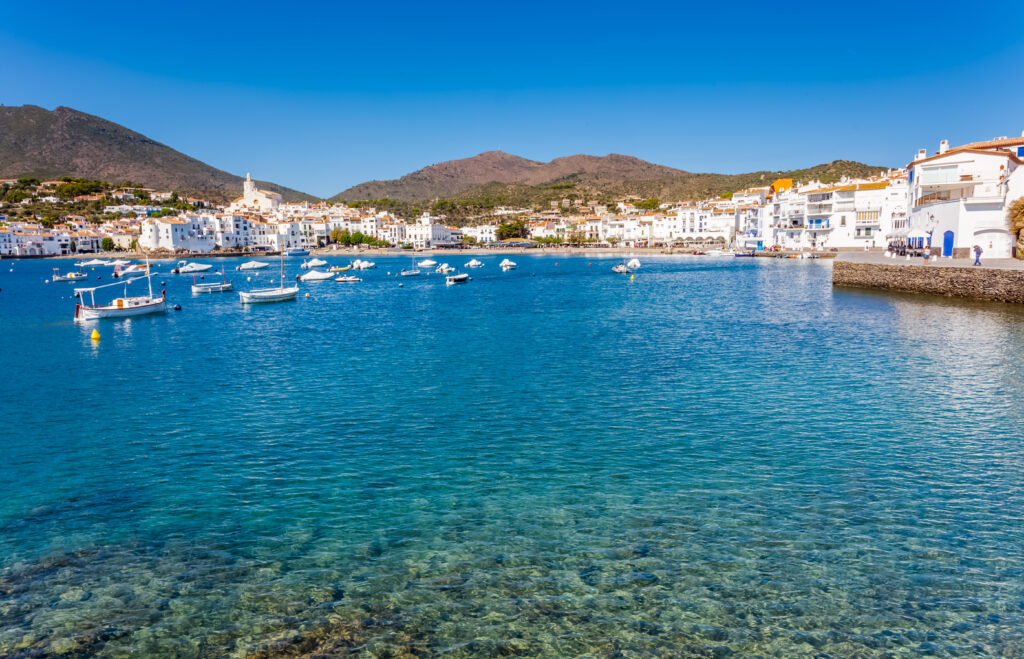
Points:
[(454, 177), (35, 142), (520, 182)]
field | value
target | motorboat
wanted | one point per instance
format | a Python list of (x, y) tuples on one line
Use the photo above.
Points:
[(70, 276), (444, 269), (339, 268), (117, 262), (633, 263), (473, 263), (313, 263), (621, 269), (131, 270), (359, 264), (315, 275), (347, 279), (91, 263), (508, 264), (184, 268), (410, 272), (298, 252), (279, 294), (460, 278), (427, 263), (121, 307), (222, 286), (253, 265), (720, 252)]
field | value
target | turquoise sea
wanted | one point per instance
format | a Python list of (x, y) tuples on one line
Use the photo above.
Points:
[(724, 457)]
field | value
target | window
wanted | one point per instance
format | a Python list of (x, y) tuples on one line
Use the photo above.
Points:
[(842, 220)]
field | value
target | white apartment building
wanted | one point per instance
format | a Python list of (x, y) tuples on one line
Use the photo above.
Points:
[(959, 197)]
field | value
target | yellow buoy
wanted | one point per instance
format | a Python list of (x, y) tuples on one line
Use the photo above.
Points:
[(95, 335), (632, 277)]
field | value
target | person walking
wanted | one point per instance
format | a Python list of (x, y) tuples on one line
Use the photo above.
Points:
[(977, 254)]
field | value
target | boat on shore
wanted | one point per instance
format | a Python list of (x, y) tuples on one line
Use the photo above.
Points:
[(460, 278), (70, 276)]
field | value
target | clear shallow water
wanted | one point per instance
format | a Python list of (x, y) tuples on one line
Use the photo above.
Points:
[(723, 457)]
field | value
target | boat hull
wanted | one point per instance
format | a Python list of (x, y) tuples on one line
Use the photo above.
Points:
[(452, 280), (268, 295), (212, 288), (96, 313)]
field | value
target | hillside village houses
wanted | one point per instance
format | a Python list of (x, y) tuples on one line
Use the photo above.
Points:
[(951, 200)]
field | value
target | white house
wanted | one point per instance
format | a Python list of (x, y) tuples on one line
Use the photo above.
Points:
[(959, 197)]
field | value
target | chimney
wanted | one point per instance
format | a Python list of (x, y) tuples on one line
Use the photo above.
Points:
[(943, 146), (921, 154)]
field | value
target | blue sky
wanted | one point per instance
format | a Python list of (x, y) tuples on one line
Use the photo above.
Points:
[(321, 97)]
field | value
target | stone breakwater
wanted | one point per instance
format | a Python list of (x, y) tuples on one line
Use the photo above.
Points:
[(979, 283)]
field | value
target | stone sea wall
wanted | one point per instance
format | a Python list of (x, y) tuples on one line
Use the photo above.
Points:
[(978, 283)]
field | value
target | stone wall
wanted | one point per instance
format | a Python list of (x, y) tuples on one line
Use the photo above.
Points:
[(978, 283)]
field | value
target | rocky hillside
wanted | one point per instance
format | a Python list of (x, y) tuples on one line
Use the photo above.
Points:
[(64, 142)]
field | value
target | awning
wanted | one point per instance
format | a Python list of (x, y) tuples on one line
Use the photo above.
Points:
[(902, 233), (917, 233)]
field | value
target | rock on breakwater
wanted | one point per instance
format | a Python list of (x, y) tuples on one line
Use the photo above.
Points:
[(979, 283)]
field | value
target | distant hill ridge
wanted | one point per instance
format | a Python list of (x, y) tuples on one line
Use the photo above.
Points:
[(598, 176), (35, 142)]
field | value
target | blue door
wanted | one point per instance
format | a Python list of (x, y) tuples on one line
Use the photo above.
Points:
[(947, 243)]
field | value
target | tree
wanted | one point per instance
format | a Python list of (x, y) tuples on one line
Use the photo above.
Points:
[(576, 236), (107, 244), (1016, 213), (513, 229), (340, 236), (649, 204), (74, 247), (612, 240), (469, 240), (134, 245)]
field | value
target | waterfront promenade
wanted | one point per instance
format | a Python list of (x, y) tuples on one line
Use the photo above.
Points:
[(996, 280)]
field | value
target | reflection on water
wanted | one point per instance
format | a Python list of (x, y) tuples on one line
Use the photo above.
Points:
[(718, 458)]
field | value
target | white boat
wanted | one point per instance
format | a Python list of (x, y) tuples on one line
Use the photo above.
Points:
[(116, 262), (427, 263), (94, 262), (460, 278), (121, 307), (621, 269), (71, 276), (131, 270), (188, 268), (222, 286), (508, 264), (313, 263), (347, 279), (268, 295), (413, 271), (315, 275), (359, 264), (720, 252), (298, 252), (279, 294), (633, 263), (444, 269), (253, 265), (473, 263)]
